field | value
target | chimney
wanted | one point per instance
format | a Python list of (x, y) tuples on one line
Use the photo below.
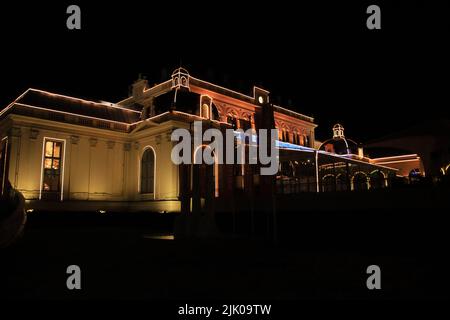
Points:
[(138, 87), (360, 151)]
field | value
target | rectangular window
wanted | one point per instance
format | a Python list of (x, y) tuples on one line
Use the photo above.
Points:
[(52, 170)]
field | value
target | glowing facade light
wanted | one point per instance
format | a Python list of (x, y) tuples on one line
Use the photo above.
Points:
[(103, 103), (71, 113)]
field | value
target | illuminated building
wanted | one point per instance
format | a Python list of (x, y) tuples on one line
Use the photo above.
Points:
[(59, 151), (428, 142)]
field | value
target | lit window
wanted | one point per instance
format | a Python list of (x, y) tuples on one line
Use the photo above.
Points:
[(48, 163), (57, 150), (49, 149), (51, 182)]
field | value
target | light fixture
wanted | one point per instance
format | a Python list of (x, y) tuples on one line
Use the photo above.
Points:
[(260, 99)]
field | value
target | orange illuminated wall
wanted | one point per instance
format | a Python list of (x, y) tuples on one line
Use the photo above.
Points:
[(243, 110), (405, 163)]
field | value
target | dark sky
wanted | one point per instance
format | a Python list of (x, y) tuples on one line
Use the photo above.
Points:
[(319, 58)]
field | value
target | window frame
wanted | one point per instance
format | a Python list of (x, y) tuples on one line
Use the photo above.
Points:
[(62, 160), (141, 166)]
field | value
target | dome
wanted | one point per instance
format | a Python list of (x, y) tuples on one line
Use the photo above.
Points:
[(339, 144)]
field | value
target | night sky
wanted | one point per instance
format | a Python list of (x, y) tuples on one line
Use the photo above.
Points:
[(319, 59)]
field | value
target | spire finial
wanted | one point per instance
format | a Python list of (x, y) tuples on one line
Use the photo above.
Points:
[(338, 131)]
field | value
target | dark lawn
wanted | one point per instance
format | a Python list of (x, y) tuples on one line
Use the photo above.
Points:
[(319, 255)]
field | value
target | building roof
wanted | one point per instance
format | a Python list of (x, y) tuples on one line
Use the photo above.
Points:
[(102, 110), (34, 102), (341, 144), (121, 115), (246, 98)]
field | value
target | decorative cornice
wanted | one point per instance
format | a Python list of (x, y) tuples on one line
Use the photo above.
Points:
[(93, 142), (74, 139), (110, 144), (34, 133), (15, 132)]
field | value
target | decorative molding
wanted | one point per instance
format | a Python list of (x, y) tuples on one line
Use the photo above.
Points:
[(136, 145), (219, 110), (110, 144), (127, 146), (74, 139), (246, 115), (158, 139), (34, 133), (93, 142), (233, 114), (168, 135), (16, 132)]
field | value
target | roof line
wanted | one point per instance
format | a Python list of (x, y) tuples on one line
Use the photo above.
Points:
[(145, 90), (218, 86), (69, 113), (149, 119), (396, 157), (397, 161), (176, 112), (250, 97), (106, 104), (351, 159), (157, 85), (289, 110), (9, 106)]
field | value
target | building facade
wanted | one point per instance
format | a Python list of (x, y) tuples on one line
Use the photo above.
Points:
[(66, 153)]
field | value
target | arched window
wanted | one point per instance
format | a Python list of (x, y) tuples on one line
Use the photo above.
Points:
[(341, 182), (377, 180), (215, 115), (205, 111), (305, 141), (360, 181), (285, 136), (328, 183), (296, 138), (148, 171)]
